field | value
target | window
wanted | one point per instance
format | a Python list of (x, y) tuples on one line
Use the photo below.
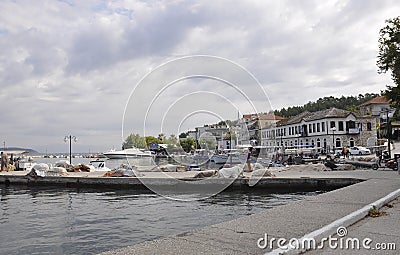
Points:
[(333, 124), (323, 126), (318, 142), (341, 128), (351, 142), (369, 126), (309, 128), (318, 127), (338, 143)]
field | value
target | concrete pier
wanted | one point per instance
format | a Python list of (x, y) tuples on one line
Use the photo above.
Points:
[(290, 181)]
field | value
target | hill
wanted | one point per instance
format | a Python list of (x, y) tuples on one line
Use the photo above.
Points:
[(31, 152), (346, 103)]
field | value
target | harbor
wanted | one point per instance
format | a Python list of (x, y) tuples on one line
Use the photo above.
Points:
[(335, 195), (199, 127)]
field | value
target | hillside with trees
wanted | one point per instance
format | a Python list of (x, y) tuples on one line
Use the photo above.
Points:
[(349, 103)]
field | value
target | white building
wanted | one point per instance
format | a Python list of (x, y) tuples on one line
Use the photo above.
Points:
[(216, 133), (324, 130)]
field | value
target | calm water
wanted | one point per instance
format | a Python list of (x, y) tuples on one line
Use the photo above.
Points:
[(73, 221)]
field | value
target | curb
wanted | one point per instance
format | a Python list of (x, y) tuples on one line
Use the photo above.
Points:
[(331, 228)]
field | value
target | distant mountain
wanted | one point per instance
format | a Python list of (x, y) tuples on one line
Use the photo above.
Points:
[(31, 152)]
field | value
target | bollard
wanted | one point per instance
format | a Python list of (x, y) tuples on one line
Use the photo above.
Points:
[(398, 165)]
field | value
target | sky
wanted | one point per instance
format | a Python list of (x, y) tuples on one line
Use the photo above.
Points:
[(99, 70)]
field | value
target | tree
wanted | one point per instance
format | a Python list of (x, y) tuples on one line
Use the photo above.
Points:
[(209, 144), (134, 140), (183, 135), (187, 144), (151, 139), (172, 141), (389, 57), (162, 137)]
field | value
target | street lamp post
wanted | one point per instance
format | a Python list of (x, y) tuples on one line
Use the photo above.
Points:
[(388, 131), (333, 139), (70, 138)]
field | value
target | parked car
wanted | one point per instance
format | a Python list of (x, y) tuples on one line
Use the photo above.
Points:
[(338, 151), (358, 150)]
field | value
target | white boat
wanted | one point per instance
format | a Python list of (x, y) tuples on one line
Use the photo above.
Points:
[(25, 164), (98, 165), (229, 157), (131, 152)]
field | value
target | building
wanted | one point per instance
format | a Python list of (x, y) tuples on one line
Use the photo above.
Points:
[(379, 107), (323, 130), (375, 106), (217, 134), (250, 127)]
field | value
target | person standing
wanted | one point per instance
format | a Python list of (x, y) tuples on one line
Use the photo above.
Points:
[(248, 158), (3, 162)]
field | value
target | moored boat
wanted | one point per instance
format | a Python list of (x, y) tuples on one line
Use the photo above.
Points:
[(131, 152)]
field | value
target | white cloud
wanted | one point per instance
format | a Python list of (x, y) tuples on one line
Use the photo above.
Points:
[(69, 66)]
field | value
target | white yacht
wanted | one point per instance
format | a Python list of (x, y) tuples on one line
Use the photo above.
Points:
[(229, 156), (131, 152)]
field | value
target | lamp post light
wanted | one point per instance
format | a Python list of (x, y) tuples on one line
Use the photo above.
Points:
[(333, 139), (70, 138), (389, 113)]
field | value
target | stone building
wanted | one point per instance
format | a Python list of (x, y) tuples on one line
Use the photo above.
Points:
[(375, 106), (323, 130), (250, 127)]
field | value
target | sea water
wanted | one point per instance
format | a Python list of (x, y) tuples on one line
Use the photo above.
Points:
[(88, 221)]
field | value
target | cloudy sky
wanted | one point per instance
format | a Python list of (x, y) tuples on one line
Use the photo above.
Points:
[(75, 67)]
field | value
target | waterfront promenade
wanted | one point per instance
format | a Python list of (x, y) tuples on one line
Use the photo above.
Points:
[(294, 220)]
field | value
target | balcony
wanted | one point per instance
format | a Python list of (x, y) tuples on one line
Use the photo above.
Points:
[(353, 131)]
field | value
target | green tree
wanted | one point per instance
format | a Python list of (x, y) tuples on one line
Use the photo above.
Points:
[(183, 135), (389, 57), (187, 144), (134, 140), (162, 138), (209, 144), (151, 139), (172, 141)]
